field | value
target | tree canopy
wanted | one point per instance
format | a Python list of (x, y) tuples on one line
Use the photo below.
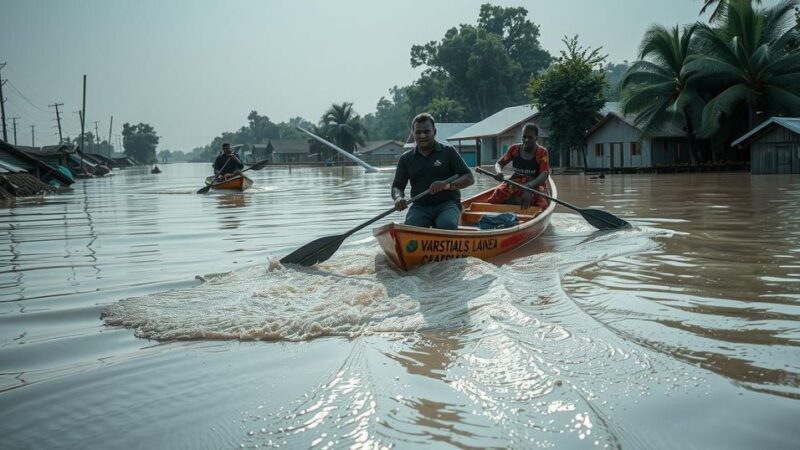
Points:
[(342, 124), (140, 142), (570, 93), (484, 67)]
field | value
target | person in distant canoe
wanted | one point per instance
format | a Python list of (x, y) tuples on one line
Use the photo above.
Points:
[(531, 165), (227, 163), (427, 166)]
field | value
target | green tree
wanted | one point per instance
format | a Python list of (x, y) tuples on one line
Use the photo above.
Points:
[(446, 110), (344, 126), (392, 116), (431, 84), (165, 156), (140, 142), (259, 129), (747, 65), (614, 74), (570, 95), (656, 89), (520, 39), (485, 67), (288, 130)]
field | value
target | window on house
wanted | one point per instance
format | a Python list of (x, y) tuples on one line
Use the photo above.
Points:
[(634, 148), (678, 150), (598, 149)]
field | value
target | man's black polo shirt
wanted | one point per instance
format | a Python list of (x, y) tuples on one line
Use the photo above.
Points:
[(443, 162)]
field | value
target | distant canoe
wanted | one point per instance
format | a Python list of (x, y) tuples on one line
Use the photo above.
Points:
[(155, 170), (238, 183), (408, 247)]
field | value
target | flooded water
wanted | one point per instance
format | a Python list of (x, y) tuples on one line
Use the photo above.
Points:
[(135, 313)]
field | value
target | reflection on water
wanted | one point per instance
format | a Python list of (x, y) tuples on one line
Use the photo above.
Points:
[(580, 339)]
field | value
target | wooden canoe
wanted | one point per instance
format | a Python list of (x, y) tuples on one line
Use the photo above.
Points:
[(408, 247), (238, 183)]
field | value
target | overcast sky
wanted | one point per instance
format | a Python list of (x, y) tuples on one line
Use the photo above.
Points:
[(196, 68)]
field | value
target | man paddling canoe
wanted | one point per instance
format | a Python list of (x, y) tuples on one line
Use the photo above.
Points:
[(426, 166)]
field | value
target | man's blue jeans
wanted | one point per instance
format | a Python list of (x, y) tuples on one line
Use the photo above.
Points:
[(445, 215)]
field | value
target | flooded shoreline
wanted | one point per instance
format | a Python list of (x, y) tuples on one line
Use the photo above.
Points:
[(137, 314)]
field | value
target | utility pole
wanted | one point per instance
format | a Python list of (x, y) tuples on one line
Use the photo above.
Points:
[(14, 121), (110, 124), (33, 141), (2, 106), (97, 135), (58, 119), (83, 116)]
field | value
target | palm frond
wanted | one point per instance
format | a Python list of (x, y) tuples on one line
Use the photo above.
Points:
[(636, 101), (782, 101), (723, 103)]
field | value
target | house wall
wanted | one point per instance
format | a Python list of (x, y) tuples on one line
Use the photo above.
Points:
[(777, 151), (488, 150), (617, 139), (388, 154), (290, 157), (670, 151)]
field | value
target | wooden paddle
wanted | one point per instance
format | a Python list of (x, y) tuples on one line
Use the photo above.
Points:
[(599, 219), (323, 248), (257, 166)]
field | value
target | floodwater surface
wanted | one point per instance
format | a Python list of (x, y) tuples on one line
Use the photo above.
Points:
[(135, 313)]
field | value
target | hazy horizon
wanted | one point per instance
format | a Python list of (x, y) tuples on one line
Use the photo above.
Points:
[(194, 69)]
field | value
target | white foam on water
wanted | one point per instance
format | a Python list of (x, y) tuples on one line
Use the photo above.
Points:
[(357, 292)]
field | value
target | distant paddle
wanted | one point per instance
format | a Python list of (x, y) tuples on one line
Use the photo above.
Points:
[(323, 248), (257, 166), (599, 219)]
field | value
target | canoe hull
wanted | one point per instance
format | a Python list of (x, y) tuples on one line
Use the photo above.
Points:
[(237, 183), (408, 247)]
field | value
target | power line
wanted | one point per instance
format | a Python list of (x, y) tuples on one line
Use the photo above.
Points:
[(21, 80), (23, 96)]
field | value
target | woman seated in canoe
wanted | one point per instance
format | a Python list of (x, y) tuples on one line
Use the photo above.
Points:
[(227, 164), (531, 166), (428, 166)]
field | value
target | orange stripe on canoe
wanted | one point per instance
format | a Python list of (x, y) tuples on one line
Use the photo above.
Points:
[(239, 182), (408, 247)]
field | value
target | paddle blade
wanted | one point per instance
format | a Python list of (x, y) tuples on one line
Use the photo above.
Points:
[(603, 220), (314, 252), (204, 189)]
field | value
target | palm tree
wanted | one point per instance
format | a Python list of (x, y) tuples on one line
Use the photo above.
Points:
[(749, 65), (718, 5), (655, 89), (343, 126)]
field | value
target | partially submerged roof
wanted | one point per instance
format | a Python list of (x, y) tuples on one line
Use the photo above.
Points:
[(497, 124), (790, 123), (371, 146), (7, 167), (14, 158), (290, 146)]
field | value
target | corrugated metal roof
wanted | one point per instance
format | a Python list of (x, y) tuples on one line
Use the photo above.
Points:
[(7, 167), (790, 123), (371, 146), (497, 123), (669, 129), (290, 145)]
